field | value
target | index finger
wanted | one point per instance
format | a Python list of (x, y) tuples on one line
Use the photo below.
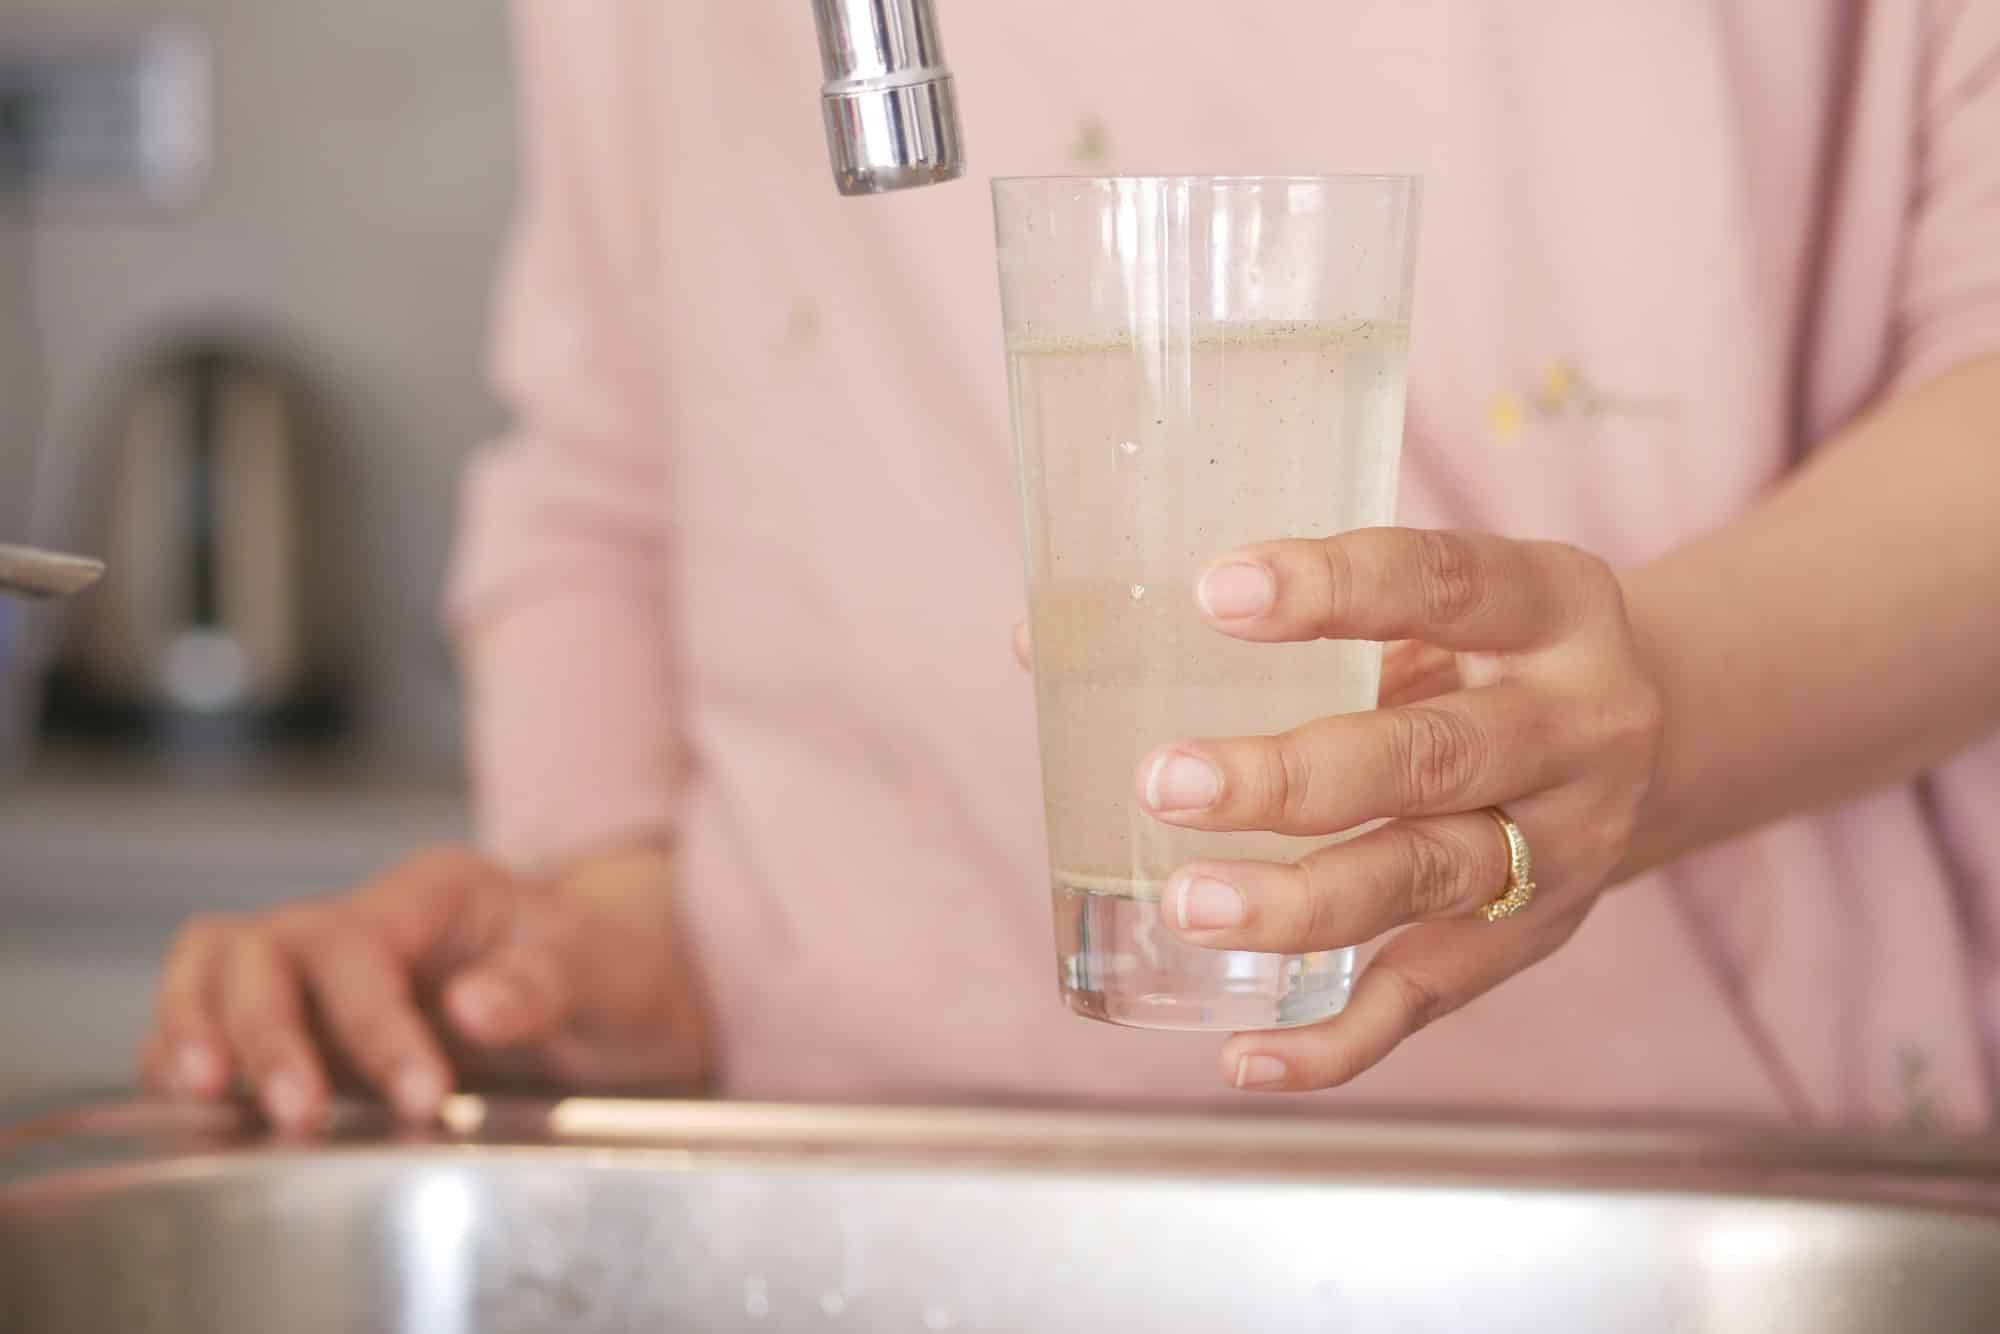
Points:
[(185, 1053), (1417, 978), (1468, 592), (435, 909), (264, 1016)]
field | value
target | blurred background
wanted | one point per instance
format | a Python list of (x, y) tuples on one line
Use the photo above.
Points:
[(245, 259)]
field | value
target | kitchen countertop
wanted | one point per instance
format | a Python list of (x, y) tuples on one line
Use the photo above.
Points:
[(89, 835)]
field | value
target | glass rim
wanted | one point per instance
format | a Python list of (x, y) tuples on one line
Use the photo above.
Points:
[(1236, 178)]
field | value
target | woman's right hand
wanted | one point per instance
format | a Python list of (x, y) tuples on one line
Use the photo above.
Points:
[(446, 968)]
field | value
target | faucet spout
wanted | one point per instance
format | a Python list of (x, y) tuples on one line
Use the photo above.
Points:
[(891, 112)]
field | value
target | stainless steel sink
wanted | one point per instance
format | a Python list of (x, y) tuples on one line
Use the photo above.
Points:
[(586, 1215)]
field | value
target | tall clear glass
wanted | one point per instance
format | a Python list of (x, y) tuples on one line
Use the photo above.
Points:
[(1196, 363)]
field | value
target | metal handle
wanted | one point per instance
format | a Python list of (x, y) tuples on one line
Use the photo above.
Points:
[(890, 107), (26, 572)]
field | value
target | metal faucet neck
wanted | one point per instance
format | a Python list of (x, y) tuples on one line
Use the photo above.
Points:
[(891, 111)]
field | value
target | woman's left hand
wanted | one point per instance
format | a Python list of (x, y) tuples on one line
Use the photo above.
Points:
[(1520, 685)]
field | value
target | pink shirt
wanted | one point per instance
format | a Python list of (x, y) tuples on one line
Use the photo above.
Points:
[(736, 592)]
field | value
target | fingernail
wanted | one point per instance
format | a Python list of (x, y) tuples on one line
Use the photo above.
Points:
[(1257, 1072), (285, 1096), (1238, 589), (418, 1092), (1182, 782), (194, 1069), (1202, 903)]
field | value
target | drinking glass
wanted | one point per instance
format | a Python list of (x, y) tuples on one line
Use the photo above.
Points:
[(1196, 363)]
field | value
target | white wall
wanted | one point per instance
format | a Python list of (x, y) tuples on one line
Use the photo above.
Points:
[(362, 184)]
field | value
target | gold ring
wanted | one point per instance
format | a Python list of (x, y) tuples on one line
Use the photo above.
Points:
[(1520, 870)]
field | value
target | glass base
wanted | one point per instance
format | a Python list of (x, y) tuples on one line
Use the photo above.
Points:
[(1120, 964)]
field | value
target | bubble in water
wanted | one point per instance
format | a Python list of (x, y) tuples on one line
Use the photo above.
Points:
[(1138, 592), (833, 1303), (939, 1317), (1128, 447), (756, 1298)]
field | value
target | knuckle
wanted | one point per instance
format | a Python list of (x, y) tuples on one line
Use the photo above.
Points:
[(539, 966), (1441, 872), (334, 935), (1590, 571), (1312, 914), (1634, 721), (1588, 589), (1337, 576), (1344, 1064), (1590, 852), (437, 873), (1420, 998), (205, 929), (446, 863), (298, 927), (441, 887), (1289, 779), (254, 954), (1596, 837), (353, 976), (1438, 755), (1450, 578), (179, 1009), (323, 961)]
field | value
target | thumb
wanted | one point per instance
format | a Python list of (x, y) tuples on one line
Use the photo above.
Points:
[(449, 913), (520, 992)]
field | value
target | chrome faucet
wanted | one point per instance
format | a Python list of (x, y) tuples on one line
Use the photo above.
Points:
[(37, 575), (891, 114)]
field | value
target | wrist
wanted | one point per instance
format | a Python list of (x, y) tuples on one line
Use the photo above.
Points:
[(1660, 834)]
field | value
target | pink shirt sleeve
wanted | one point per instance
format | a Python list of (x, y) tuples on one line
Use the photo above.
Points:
[(1949, 303), (557, 591)]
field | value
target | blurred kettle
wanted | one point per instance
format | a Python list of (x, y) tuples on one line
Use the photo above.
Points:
[(200, 511)]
